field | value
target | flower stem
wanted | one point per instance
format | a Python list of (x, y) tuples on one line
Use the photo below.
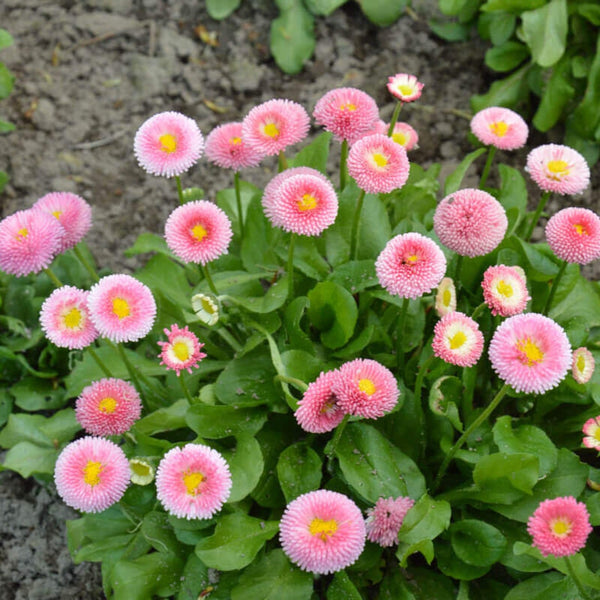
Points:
[(238, 200), (185, 389), (209, 280), (343, 160), (297, 383), (478, 310), (86, 265), (554, 287), (580, 588), (421, 377), (290, 267), (99, 362), (130, 367), (55, 280), (470, 429), (355, 222), (395, 116), (179, 189), (282, 161), (330, 451), (487, 167), (224, 333), (536, 215), (400, 333), (458, 269)]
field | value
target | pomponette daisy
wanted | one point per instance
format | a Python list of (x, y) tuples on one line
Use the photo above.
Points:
[(318, 410), (168, 144), (591, 430), (378, 164), (500, 127), (274, 125), (560, 526), (410, 265), (405, 135), (226, 147), (583, 364), (470, 222), (385, 519), (193, 482), (445, 297), (65, 318), (198, 232), (573, 234), (405, 87), (530, 352), (365, 388), (142, 471), (205, 308), (346, 112), (504, 290), (181, 351), (322, 531), (301, 200), (91, 474), (557, 168), (108, 407), (29, 241), (457, 340), (73, 213), (122, 308)]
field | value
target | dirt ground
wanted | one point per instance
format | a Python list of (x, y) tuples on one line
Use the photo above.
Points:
[(90, 72)]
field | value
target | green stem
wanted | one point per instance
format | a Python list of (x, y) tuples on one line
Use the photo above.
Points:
[(86, 265), (536, 215), (487, 167), (282, 162), (185, 389), (130, 368), (395, 116), (457, 270), (330, 451), (400, 334), (290, 267), (209, 280), (478, 311), (421, 377), (343, 160), (470, 429), (179, 189), (297, 383), (99, 362), (554, 287), (55, 280), (238, 200), (580, 588), (224, 333), (355, 222)]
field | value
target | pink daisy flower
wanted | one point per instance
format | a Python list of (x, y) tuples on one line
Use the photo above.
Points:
[(378, 164), (108, 407), (302, 200), (559, 169), (365, 388), (122, 308), (91, 474), (583, 365), (322, 531), (226, 148), (504, 290), (410, 265), (445, 298), (500, 127), (405, 135), (457, 340), (198, 232), (29, 241), (385, 519), (318, 410), (470, 222), (182, 351), (591, 429), (272, 126), (168, 144), (573, 234), (65, 318), (530, 352), (346, 112), (560, 526), (72, 212), (407, 88), (193, 482)]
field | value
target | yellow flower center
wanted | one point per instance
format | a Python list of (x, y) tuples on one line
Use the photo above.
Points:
[(168, 143), (107, 405), (457, 340), (22, 233), (121, 308), (561, 527), (411, 259), (192, 482), (505, 289), (531, 351), (199, 232), (558, 169), (208, 306), (141, 471), (323, 529), (328, 407), (73, 318), (446, 298), (580, 229), (91, 472), (57, 213), (405, 90), (499, 128), (348, 106), (380, 160), (271, 130), (400, 138), (307, 202), (367, 386), (181, 351), (235, 141), (580, 364), (597, 434)]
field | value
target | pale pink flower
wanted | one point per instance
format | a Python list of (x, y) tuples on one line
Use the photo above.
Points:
[(227, 148), (91, 474), (181, 351), (168, 144), (560, 526), (407, 88), (591, 429), (470, 222), (198, 232), (122, 308), (385, 519), (583, 365), (73, 213), (530, 352), (457, 340), (65, 318), (559, 169), (108, 407), (29, 241), (322, 531), (500, 127), (573, 234), (410, 265), (504, 290), (272, 126), (193, 482), (445, 298), (318, 410), (405, 135)]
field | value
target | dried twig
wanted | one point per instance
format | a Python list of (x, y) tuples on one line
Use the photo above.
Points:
[(98, 143)]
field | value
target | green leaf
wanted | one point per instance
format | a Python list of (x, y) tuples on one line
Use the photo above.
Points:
[(22, 427), (27, 459), (33, 394), (536, 259), (501, 26), (504, 92), (260, 240), (246, 466), (591, 12), (148, 242), (3, 180), (236, 541), (454, 180), (292, 318), (583, 300), (537, 588), (323, 7), (292, 38), (476, 542), (382, 12), (164, 419), (451, 7), (545, 32), (158, 533), (226, 199), (7, 81), (503, 478), (374, 229), (214, 422), (452, 566), (6, 127), (449, 30), (302, 365), (272, 300), (558, 92), (517, 6), (506, 56), (299, 470), (315, 154), (221, 9), (6, 39), (342, 588), (194, 578), (61, 426), (444, 396)]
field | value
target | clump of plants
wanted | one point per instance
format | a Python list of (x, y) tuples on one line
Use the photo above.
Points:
[(7, 81), (358, 386)]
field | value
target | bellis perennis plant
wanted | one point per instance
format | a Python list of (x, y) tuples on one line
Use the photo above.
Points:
[(313, 389)]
